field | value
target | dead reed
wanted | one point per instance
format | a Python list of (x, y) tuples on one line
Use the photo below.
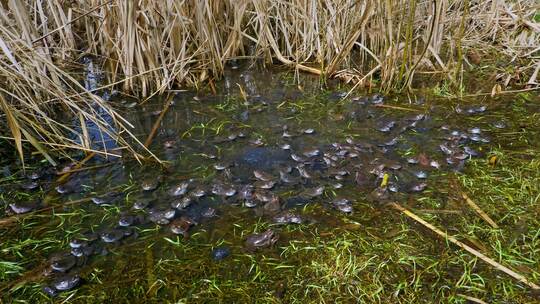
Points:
[(148, 47)]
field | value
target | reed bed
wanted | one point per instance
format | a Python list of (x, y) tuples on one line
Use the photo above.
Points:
[(147, 47)]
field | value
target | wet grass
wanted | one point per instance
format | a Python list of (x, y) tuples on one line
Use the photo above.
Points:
[(375, 256)]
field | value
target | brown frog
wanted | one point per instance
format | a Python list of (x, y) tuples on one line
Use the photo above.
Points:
[(261, 240), (287, 217), (150, 184), (181, 226), (273, 206), (263, 176)]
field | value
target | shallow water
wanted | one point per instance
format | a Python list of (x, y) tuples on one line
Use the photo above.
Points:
[(371, 138)]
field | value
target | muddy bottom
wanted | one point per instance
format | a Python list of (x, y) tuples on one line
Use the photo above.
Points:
[(250, 189)]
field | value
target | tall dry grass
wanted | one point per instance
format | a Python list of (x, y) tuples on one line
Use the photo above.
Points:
[(148, 47)]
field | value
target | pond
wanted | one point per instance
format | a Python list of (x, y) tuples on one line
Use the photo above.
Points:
[(269, 191)]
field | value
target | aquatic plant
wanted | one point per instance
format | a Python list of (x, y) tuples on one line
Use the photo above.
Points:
[(149, 47)]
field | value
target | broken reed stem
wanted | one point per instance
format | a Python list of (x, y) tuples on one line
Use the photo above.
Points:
[(469, 249), (396, 108), (537, 88), (64, 177), (158, 121), (14, 218), (88, 168), (472, 299), (480, 212)]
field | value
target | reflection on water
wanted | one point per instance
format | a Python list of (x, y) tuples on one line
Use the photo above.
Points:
[(101, 139)]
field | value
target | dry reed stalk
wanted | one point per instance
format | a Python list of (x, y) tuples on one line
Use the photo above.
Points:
[(534, 76), (478, 210), (397, 108), (471, 299), (150, 137), (536, 88), (66, 175), (80, 169), (466, 247)]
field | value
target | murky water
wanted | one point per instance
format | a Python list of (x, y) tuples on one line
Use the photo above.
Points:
[(285, 159)]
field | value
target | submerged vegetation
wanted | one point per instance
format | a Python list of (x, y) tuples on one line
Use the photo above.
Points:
[(151, 47)]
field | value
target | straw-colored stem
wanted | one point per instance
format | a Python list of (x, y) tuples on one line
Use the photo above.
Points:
[(478, 210), (469, 249)]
